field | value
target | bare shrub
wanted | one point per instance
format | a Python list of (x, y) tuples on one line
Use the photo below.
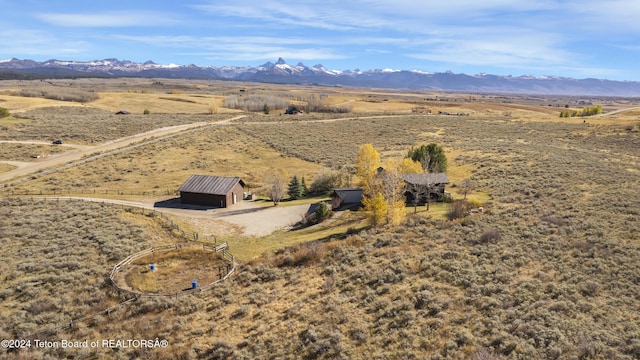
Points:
[(490, 236), (457, 210), (327, 180)]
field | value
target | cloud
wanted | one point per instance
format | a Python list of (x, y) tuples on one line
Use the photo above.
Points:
[(240, 47), (39, 43), (107, 19)]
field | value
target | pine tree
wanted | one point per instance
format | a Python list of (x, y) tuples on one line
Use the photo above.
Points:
[(304, 188), (295, 188), (322, 212)]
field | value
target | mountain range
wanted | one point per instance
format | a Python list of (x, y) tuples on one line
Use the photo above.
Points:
[(283, 73)]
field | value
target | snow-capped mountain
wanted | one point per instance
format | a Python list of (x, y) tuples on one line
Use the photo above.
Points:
[(282, 72)]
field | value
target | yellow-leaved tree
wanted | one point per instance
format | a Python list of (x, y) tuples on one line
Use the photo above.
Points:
[(376, 206), (383, 186), (367, 164)]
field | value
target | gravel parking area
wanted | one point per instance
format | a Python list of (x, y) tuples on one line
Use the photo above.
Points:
[(261, 221)]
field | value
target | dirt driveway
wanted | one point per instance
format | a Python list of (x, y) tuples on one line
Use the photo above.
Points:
[(247, 217), (261, 221)]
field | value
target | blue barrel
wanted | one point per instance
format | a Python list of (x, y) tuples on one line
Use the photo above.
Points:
[(152, 267), (194, 284)]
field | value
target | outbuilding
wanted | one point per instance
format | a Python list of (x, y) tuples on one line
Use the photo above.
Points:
[(215, 191), (346, 198)]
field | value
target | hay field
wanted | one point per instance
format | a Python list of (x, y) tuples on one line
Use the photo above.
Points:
[(549, 270)]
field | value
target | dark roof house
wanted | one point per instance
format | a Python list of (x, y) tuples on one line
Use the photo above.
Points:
[(422, 187), (347, 197), (426, 179), (216, 191)]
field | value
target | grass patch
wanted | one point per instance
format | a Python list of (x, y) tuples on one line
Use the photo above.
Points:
[(6, 167), (164, 166), (246, 249)]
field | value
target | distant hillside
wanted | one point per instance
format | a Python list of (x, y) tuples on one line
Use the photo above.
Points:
[(283, 73)]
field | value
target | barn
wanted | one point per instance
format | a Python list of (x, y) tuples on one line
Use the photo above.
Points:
[(216, 191)]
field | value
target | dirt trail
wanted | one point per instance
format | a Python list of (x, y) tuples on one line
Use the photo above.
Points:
[(79, 153)]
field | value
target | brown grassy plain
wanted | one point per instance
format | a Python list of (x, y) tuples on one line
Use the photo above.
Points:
[(550, 270)]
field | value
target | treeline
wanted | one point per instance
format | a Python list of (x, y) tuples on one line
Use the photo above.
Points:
[(61, 94), (257, 102), (264, 103), (587, 111)]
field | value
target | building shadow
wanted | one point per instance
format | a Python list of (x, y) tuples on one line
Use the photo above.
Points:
[(176, 204)]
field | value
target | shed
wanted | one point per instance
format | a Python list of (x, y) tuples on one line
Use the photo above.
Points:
[(292, 110), (216, 191), (346, 197)]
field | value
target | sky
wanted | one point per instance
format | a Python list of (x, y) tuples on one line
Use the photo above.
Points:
[(570, 38)]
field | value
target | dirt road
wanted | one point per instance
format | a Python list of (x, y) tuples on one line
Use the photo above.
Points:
[(68, 158)]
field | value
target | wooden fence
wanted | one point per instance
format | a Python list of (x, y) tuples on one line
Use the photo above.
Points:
[(27, 192), (223, 249)]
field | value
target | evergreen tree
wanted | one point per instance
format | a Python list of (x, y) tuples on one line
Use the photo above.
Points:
[(304, 188), (295, 188), (322, 212)]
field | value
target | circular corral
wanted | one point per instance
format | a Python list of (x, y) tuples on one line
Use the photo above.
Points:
[(173, 270)]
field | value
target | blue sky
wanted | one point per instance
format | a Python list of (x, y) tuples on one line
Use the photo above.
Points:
[(572, 38)]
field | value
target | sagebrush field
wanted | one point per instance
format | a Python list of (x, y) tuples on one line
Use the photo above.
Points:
[(549, 270)]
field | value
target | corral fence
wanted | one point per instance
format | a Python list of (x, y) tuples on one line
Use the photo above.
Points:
[(222, 249)]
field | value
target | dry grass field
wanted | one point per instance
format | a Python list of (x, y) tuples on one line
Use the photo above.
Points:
[(549, 270)]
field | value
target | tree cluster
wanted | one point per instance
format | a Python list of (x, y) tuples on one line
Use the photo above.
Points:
[(587, 111), (297, 188), (384, 186), (430, 156)]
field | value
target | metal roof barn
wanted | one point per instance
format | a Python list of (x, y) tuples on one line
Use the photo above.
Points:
[(215, 191)]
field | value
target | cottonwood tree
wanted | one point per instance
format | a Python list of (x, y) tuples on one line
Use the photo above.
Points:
[(277, 186), (383, 186), (377, 207), (431, 157), (367, 164)]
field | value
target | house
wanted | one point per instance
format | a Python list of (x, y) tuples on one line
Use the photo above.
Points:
[(216, 191), (345, 198), (292, 110), (422, 184)]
